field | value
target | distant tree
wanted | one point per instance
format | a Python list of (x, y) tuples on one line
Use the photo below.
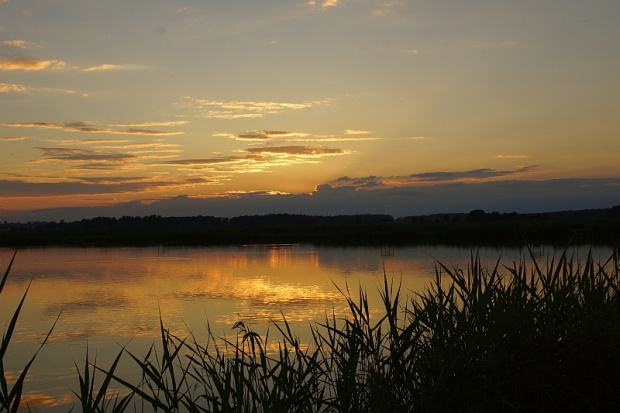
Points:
[(476, 215), (614, 211)]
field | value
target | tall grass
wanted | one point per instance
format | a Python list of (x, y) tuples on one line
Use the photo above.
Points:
[(11, 394), (528, 337), (516, 339)]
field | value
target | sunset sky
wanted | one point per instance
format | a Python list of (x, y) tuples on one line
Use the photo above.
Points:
[(333, 107)]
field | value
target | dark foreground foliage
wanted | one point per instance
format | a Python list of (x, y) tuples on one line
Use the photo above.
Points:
[(523, 338)]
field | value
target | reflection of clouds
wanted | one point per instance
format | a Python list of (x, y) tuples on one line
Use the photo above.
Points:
[(94, 303), (267, 315), (262, 301), (261, 293), (37, 400)]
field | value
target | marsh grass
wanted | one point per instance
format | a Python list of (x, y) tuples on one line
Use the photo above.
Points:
[(11, 394), (526, 337), (515, 338)]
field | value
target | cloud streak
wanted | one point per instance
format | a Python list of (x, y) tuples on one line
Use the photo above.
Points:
[(235, 109), (13, 138), (304, 150), (11, 87), (150, 124), (260, 159), (87, 127), (111, 67), (22, 44), (89, 186), (81, 155), (287, 136), (439, 177), (512, 156), (261, 135), (27, 64)]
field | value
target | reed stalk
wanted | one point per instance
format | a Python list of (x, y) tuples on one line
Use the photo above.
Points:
[(530, 336), (11, 395)]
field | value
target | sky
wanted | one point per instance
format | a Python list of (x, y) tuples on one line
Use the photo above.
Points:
[(227, 108)]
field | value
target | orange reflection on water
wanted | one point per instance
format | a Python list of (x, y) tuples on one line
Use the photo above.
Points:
[(114, 297), (39, 400)]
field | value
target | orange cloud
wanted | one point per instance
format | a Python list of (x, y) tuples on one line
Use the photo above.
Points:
[(286, 136), (15, 138), (332, 138), (265, 135), (107, 67), (512, 156), (150, 124), (19, 63), (235, 109), (305, 150), (8, 87)]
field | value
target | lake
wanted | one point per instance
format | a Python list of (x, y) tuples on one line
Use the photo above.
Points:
[(108, 298)]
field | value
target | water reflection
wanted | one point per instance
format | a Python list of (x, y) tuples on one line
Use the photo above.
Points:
[(114, 297)]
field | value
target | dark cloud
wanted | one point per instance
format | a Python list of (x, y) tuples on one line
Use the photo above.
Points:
[(205, 161), (109, 179), (43, 189), (364, 182), (86, 186), (49, 125), (72, 155), (483, 173), (261, 135), (145, 132), (95, 166), (502, 196), (87, 127), (479, 175)]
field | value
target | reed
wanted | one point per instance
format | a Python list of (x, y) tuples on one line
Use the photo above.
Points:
[(526, 337), (514, 338), (11, 395)]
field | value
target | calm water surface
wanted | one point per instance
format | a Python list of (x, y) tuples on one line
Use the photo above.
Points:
[(110, 298)]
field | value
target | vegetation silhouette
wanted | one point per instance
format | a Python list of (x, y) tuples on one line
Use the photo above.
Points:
[(528, 338), (476, 228)]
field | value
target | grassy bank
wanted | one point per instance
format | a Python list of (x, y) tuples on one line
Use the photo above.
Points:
[(535, 337)]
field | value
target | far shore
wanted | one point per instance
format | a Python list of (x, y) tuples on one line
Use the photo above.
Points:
[(592, 227)]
